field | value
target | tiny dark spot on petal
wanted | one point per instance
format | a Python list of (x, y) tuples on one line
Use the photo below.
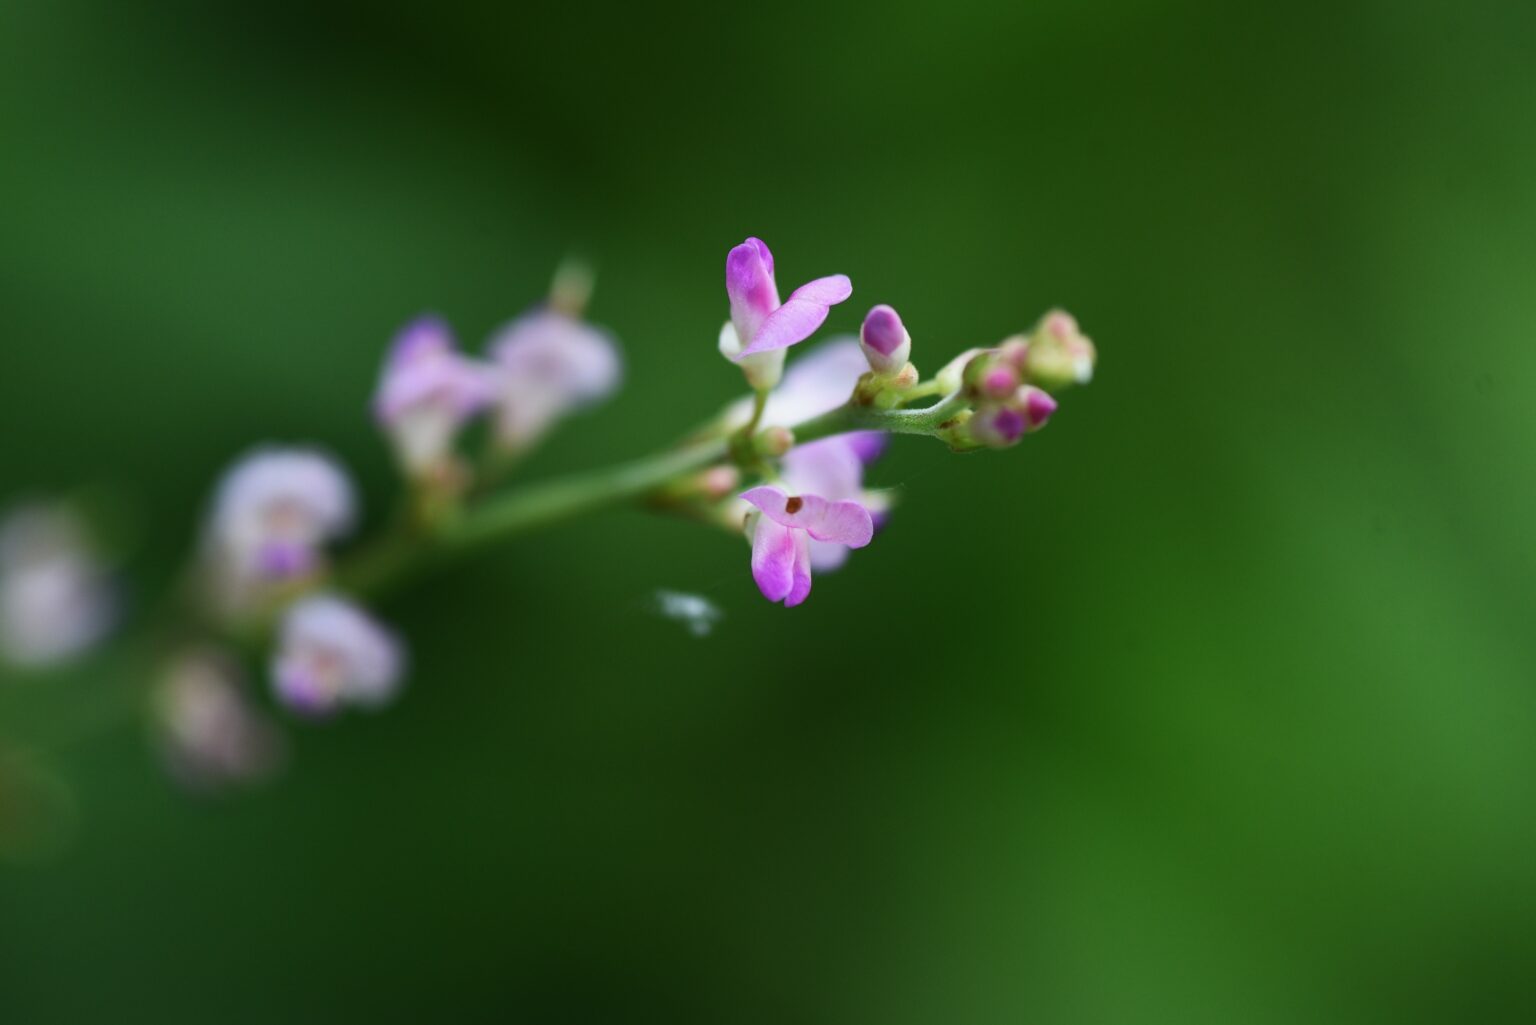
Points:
[(794, 505)]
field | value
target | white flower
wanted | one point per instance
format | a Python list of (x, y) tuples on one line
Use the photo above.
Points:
[(55, 600), (331, 653)]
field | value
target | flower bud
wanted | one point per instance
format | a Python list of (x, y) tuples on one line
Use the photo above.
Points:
[(998, 382), (1002, 424), (719, 481), (1059, 353), (1037, 406), (952, 376), (998, 426), (775, 441), (885, 341)]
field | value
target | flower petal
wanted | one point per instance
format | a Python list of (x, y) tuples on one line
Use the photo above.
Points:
[(749, 284), (793, 322), (828, 291), (802, 585), (773, 559), (847, 523)]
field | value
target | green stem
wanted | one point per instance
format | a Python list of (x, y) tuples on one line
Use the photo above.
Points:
[(539, 505)]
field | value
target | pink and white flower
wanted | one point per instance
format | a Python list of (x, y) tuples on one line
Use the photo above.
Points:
[(783, 531), (427, 392), (761, 327), (332, 654), (274, 511), (549, 364)]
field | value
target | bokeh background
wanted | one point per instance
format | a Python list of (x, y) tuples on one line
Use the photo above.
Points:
[(1212, 703)]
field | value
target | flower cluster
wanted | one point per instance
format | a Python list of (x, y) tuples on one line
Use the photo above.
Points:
[(812, 507), (784, 465)]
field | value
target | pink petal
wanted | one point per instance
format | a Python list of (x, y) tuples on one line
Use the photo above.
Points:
[(749, 284), (802, 586), (762, 251), (793, 322), (773, 559), (847, 523), (828, 291)]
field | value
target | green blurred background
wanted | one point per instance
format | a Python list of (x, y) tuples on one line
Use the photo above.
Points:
[(1212, 703)]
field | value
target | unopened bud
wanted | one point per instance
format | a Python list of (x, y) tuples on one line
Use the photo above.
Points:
[(952, 376), (1003, 424), (720, 481), (775, 441), (998, 382), (1059, 353), (1037, 406), (885, 341)]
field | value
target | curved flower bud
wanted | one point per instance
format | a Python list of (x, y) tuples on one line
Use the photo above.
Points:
[(549, 364), (761, 326), (885, 341), (55, 597), (274, 510), (330, 654), (210, 735), (427, 391), (1059, 353)]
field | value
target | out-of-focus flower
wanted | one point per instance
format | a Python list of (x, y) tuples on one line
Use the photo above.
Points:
[(331, 654), (427, 392), (55, 597), (885, 341), (782, 533), (210, 734), (761, 327), (548, 363), (274, 511), (1059, 354)]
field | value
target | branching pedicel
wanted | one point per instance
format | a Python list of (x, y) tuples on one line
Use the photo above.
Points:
[(785, 466)]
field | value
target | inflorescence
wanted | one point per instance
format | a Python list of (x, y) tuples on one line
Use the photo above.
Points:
[(784, 467)]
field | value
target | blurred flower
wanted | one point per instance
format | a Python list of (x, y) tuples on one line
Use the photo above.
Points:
[(782, 534), (1059, 354), (330, 653), (427, 391), (761, 327), (210, 735), (274, 510), (885, 341), (548, 364), (55, 598)]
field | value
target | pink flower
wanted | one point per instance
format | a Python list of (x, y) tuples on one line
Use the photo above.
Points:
[(761, 327), (549, 363), (275, 509), (427, 392), (783, 532)]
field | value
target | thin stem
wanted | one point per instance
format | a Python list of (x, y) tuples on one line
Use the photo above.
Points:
[(539, 505)]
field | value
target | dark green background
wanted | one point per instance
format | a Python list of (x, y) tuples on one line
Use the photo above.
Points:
[(1212, 703)]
